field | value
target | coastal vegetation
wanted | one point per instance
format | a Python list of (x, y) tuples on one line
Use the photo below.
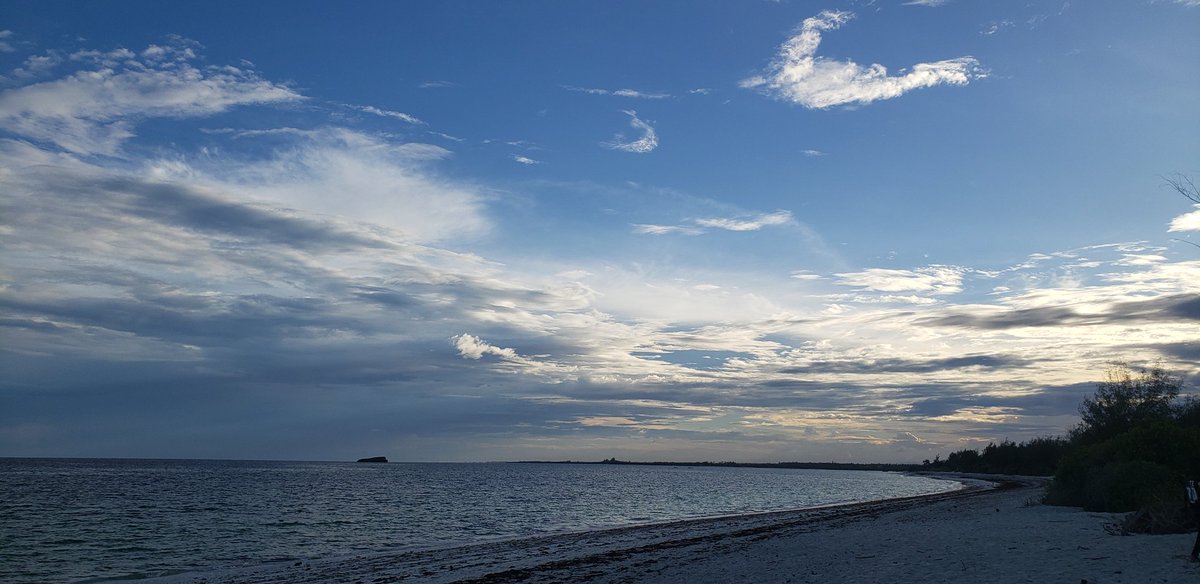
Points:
[(1137, 443)]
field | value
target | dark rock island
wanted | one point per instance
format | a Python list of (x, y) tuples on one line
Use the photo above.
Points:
[(374, 459)]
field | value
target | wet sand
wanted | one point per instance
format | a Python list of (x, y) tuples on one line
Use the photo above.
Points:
[(975, 535)]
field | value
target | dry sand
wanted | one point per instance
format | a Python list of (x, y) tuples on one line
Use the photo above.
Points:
[(976, 535)]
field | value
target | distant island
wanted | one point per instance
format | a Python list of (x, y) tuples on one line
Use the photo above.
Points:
[(373, 459), (803, 465)]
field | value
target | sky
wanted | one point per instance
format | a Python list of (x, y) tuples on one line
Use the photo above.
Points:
[(856, 231)]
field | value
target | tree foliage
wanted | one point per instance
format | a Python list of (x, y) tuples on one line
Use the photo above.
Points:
[(1136, 444), (1127, 398), (1039, 457)]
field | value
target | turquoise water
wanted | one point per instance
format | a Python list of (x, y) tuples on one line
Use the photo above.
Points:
[(71, 520)]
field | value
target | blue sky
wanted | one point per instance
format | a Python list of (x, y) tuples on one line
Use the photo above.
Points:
[(857, 231)]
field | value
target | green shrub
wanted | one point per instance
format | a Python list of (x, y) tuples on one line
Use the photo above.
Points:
[(1127, 486)]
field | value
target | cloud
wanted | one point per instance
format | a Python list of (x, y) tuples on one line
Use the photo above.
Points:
[(472, 347), (343, 173), (894, 365), (5, 45), (525, 160), (1163, 309), (750, 223), (436, 84), (387, 114), (647, 143), (237, 134), (650, 229), (930, 3), (747, 224), (618, 92), (38, 65), (1186, 222), (995, 27), (881, 298), (811, 153), (95, 110), (798, 75), (932, 279)]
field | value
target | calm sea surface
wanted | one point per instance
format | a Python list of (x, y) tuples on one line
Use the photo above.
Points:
[(70, 520)]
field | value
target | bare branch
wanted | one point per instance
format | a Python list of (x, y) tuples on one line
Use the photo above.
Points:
[(1184, 185)]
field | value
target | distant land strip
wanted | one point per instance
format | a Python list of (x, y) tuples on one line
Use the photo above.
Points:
[(800, 465)]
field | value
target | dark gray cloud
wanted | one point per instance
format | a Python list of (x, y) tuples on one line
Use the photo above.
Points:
[(1048, 401), (1167, 308), (68, 196), (909, 365), (207, 321), (1188, 352)]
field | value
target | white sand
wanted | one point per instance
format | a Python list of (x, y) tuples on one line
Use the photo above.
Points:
[(979, 535)]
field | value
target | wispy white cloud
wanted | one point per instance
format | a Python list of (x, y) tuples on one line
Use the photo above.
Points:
[(748, 223), (387, 114), (236, 134), (436, 84), (996, 26), (646, 143), (1140, 259), (618, 92), (341, 173), (525, 160), (798, 75), (810, 152), (930, 3), (702, 225), (95, 110), (651, 229), (882, 298), (932, 280), (447, 136)]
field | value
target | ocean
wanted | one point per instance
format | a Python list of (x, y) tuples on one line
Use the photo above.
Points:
[(90, 520)]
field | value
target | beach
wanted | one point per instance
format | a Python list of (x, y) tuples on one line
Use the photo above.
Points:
[(980, 534)]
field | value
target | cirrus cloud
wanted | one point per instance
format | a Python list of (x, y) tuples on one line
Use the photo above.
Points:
[(94, 110), (747, 224), (647, 143)]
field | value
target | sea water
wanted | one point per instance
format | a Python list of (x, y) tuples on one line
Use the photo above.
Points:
[(71, 520)]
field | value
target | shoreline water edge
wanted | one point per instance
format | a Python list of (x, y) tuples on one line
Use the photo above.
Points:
[(992, 530)]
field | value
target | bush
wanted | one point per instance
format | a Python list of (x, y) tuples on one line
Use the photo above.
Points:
[(1126, 486), (1166, 512)]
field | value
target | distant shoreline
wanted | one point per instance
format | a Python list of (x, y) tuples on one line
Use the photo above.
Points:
[(887, 467)]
